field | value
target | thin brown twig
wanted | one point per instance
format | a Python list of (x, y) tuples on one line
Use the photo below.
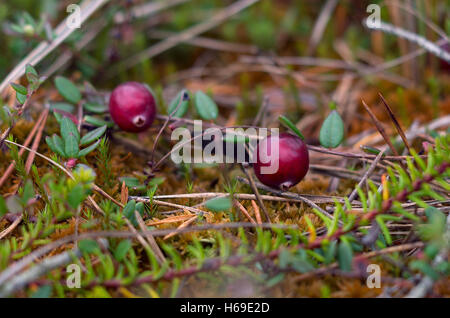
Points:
[(244, 211), (366, 175), (321, 24), (252, 184), (151, 240), (241, 196), (166, 122), (37, 141), (396, 123), (256, 210), (356, 155), (26, 143), (11, 227), (289, 195), (183, 225), (62, 31), (380, 128)]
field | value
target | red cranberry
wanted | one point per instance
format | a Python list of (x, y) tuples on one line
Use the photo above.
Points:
[(132, 107), (292, 161)]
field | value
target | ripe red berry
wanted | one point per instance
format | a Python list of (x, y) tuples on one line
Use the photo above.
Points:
[(291, 159), (132, 107)]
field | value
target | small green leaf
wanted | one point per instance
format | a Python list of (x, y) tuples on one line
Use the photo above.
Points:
[(58, 117), (332, 131), (68, 128), (345, 256), (28, 192), (67, 89), (14, 204), (370, 150), (71, 148), (140, 207), (92, 135), (20, 88), (432, 250), (5, 115), (94, 121), (182, 109), (205, 106), (50, 142), (435, 226), (16, 28), (301, 265), (32, 77), (330, 252), (95, 108), (275, 280), (219, 204), (62, 106), (76, 196), (128, 212), (132, 183), (425, 268), (59, 145), (156, 181), (88, 246), (29, 69), (21, 98), (384, 229), (289, 124), (122, 250), (87, 150)]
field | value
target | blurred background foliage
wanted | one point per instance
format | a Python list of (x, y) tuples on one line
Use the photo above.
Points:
[(281, 27), (274, 28)]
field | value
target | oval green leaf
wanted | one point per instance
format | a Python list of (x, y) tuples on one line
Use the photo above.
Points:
[(19, 88), (92, 135), (68, 128), (59, 145), (71, 146), (345, 256), (95, 108), (67, 89), (21, 98), (219, 204), (88, 246), (94, 121), (332, 131), (87, 150), (58, 149), (62, 106), (122, 250), (205, 106), (182, 109)]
